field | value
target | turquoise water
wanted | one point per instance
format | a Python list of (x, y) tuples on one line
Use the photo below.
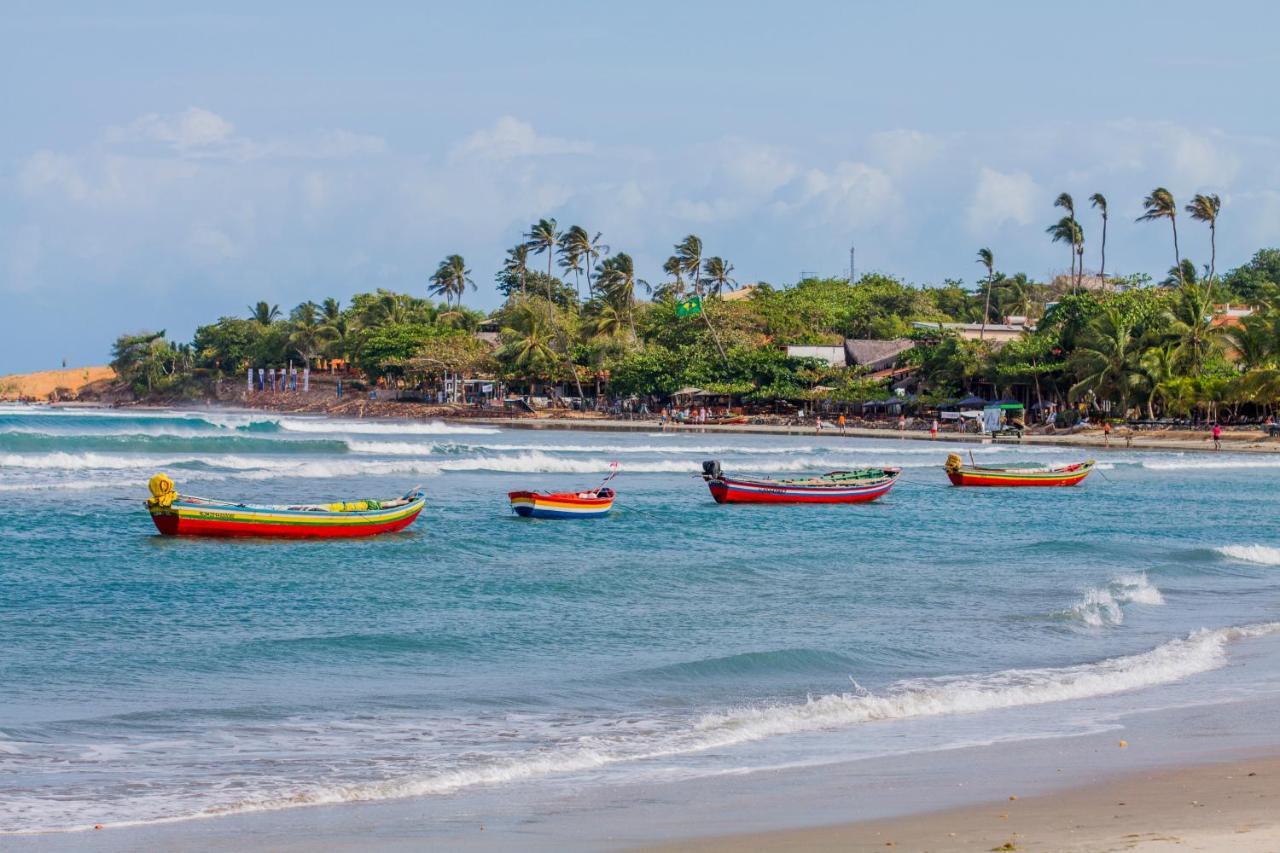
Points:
[(152, 679)]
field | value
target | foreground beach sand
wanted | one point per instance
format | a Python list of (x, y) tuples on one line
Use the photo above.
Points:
[(1233, 806)]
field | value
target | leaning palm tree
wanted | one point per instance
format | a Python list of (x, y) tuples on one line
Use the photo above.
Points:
[(1068, 204), (264, 314), (987, 260), (616, 278), (689, 251), (675, 269), (1160, 205), (450, 280), (542, 238), (1067, 230), (1204, 208), (1099, 201), (715, 271), (517, 264), (570, 251), (580, 246)]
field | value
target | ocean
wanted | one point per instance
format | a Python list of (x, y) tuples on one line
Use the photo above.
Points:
[(147, 679)]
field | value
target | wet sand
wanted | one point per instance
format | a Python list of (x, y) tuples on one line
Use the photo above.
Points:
[(1232, 806)]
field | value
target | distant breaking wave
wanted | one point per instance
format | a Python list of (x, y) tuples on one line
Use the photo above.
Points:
[(1263, 555)]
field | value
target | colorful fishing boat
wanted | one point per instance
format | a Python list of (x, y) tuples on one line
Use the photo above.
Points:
[(595, 503), (1015, 475), (591, 503), (835, 487), (186, 515)]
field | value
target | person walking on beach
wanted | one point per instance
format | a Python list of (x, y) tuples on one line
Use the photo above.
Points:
[(1217, 436), (1106, 433), (902, 423), (841, 423), (933, 429), (818, 424)]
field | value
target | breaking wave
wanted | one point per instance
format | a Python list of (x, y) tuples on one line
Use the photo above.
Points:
[(1263, 555), (1103, 606), (642, 740)]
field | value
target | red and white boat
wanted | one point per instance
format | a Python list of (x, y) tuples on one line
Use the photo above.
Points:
[(835, 487)]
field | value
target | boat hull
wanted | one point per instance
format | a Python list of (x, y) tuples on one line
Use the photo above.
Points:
[(971, 477), (183, 519), (565, 505), (727, 490)]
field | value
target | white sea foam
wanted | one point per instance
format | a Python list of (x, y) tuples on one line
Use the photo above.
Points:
[(1103, 606), (1264, 555), (1178, 659), (372, 427)]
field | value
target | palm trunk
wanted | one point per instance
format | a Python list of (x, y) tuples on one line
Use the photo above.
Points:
[(986, 310), (1102, 270), (1213, 248), (1075, 250), (1177, 258)]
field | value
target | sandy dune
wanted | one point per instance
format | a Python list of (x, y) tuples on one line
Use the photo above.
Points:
[(39, 385)]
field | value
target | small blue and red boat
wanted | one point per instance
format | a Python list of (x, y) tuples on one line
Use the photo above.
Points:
[(592, 503), (835, 487)]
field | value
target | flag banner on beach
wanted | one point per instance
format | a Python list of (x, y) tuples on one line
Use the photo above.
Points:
[(690, 307)]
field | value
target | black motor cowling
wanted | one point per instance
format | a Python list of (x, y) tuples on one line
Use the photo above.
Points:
[(711, 470)]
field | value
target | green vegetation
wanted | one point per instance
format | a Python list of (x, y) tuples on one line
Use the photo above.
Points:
[(1118, 343)]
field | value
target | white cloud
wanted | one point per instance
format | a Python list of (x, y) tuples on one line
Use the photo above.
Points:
[(904, 151), (1002, 198), (510, 138), (192, 128), (852, 195)]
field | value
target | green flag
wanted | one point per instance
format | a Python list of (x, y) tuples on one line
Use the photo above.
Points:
[(690, 307)]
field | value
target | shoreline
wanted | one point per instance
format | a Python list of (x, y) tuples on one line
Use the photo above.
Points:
[(1228, 805), (1252, 441)]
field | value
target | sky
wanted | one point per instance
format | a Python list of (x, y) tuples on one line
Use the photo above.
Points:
[(160, 168)]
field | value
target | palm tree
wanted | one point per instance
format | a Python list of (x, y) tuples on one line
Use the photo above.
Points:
[(1204, 208), (584, 250), (1068, 204), (1160, 205), (450, 280), (987, 260), (331, 309), (264, 314), (570, 252), (309, 331), (543, 237), (689, 253), (1099, 201), (1107, 359), (1190, 326), (517, 263), (1253, 340), (1159, 370), (616, 279), (716, 272), (1067, 230), (529, 335), (673, 267)]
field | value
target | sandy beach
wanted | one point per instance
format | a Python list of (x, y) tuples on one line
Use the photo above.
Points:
[(1231, 806)]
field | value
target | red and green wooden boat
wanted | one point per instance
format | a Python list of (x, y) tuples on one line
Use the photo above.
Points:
[(836, 487), (185, 515), (1015, 475)]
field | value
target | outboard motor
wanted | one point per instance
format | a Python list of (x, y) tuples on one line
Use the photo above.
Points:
[(711, 470)]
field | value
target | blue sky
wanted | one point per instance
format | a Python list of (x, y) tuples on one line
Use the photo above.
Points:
[(159, 168)]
